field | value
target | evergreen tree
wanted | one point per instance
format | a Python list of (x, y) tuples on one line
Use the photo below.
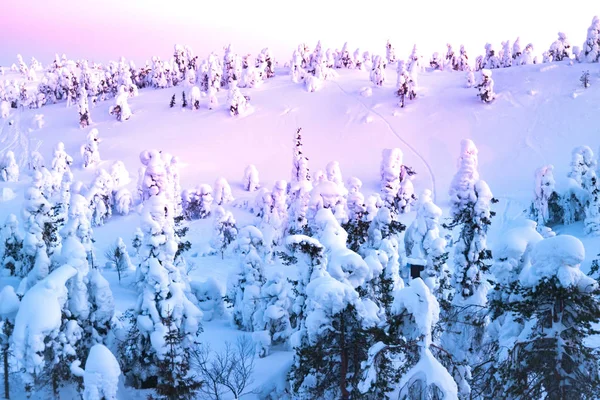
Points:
[(172, 103), (556, 306), (224, 230), (12, 246), (175, 380), (183, 100), (9, 305)]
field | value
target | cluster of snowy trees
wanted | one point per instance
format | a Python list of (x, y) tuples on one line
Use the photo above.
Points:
[(574, 199), (374, 308)]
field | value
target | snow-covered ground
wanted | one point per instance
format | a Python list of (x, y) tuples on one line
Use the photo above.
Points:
[(540, 114)]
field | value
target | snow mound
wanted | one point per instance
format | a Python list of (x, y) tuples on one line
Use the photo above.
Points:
[(7, 194), (366, 92), (102, 371), (9, 301)]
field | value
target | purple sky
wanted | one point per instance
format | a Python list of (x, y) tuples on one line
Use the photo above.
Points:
[(105, 30)]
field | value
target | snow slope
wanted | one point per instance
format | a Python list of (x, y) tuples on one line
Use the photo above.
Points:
[(541, 113)]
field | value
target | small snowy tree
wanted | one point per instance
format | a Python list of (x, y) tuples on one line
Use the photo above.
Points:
[(244, 286), (591, 47), (405, 85), (490, 60), (89, 151), (9, 169), (118, 256), (121, 108), (12, 245), (559, 50), (222, 192), (238, 103), (300, 172), (486, 87), (9, 305), (224, 230), (378, 72), (592, 205), (507, 58), (101, 375), (546, 207), (251, 181)]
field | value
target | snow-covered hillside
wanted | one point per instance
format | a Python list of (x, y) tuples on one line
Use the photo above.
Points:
[(540, 114)]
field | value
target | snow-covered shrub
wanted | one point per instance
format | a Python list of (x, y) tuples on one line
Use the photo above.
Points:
[(12, 245), (436, 62), (545, 209), (100, 197), (405, 84), (195, 97), (123, 201), (197, 203), (490, 60), (237, 102), (378, 72), (9, 169), (506, 58), (101, 375), (210, 298), (119, 174), (390, 53), (251, 181)]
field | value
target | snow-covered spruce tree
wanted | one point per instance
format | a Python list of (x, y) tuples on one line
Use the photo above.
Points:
[(511, 258), (300, 172), (45, 351), (9, 305), (251, 181), (89, 151), (403, 358), (12, 245), (462, 63), (100, 197), (276, 306), (405, 85), (222, 192), (546, 207), (592, 204), (436, 62), (358, 224), (574, 198), (491, 60), (486, 87), (390, 53), (470, 199), (121, 108), (559, 50), (163, 293), (224, 230), (396, 182), (378, 71), (197, 203), (299, 199), (101, 375), (84, 109), (41, 240), (9, 169), (557, 306), (237, 102), (450, 59), (332, 342), (582, 160), (507, 59), (155, 178), (424, 229), (244, 285), (591, 47)]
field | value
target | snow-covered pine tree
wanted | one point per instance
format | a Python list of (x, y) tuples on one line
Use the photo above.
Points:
[(119, 257), (516, 51), (436, 62), (224, 230), (251, 181), (396, 182), (555, 296), (276, 306), (450, 59), (238, 103), (486, 87), (172, 103), (9, 169), (100, 197), (84, 109), (244, 286), (462, 63)]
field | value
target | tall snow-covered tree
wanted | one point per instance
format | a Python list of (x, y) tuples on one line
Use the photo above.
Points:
[(9, 169), (11, 246), (559, 50), (546, 207), (224, 230), (486, 87), (591, 47), (163, 292)]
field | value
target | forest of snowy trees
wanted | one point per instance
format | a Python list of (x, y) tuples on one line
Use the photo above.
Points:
[(374, 308)]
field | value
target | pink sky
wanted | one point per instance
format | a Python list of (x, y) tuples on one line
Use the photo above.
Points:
[(138, 29)]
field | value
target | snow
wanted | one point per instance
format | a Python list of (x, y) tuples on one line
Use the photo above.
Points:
[(559, 256), (101, 377), (9, 301)]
